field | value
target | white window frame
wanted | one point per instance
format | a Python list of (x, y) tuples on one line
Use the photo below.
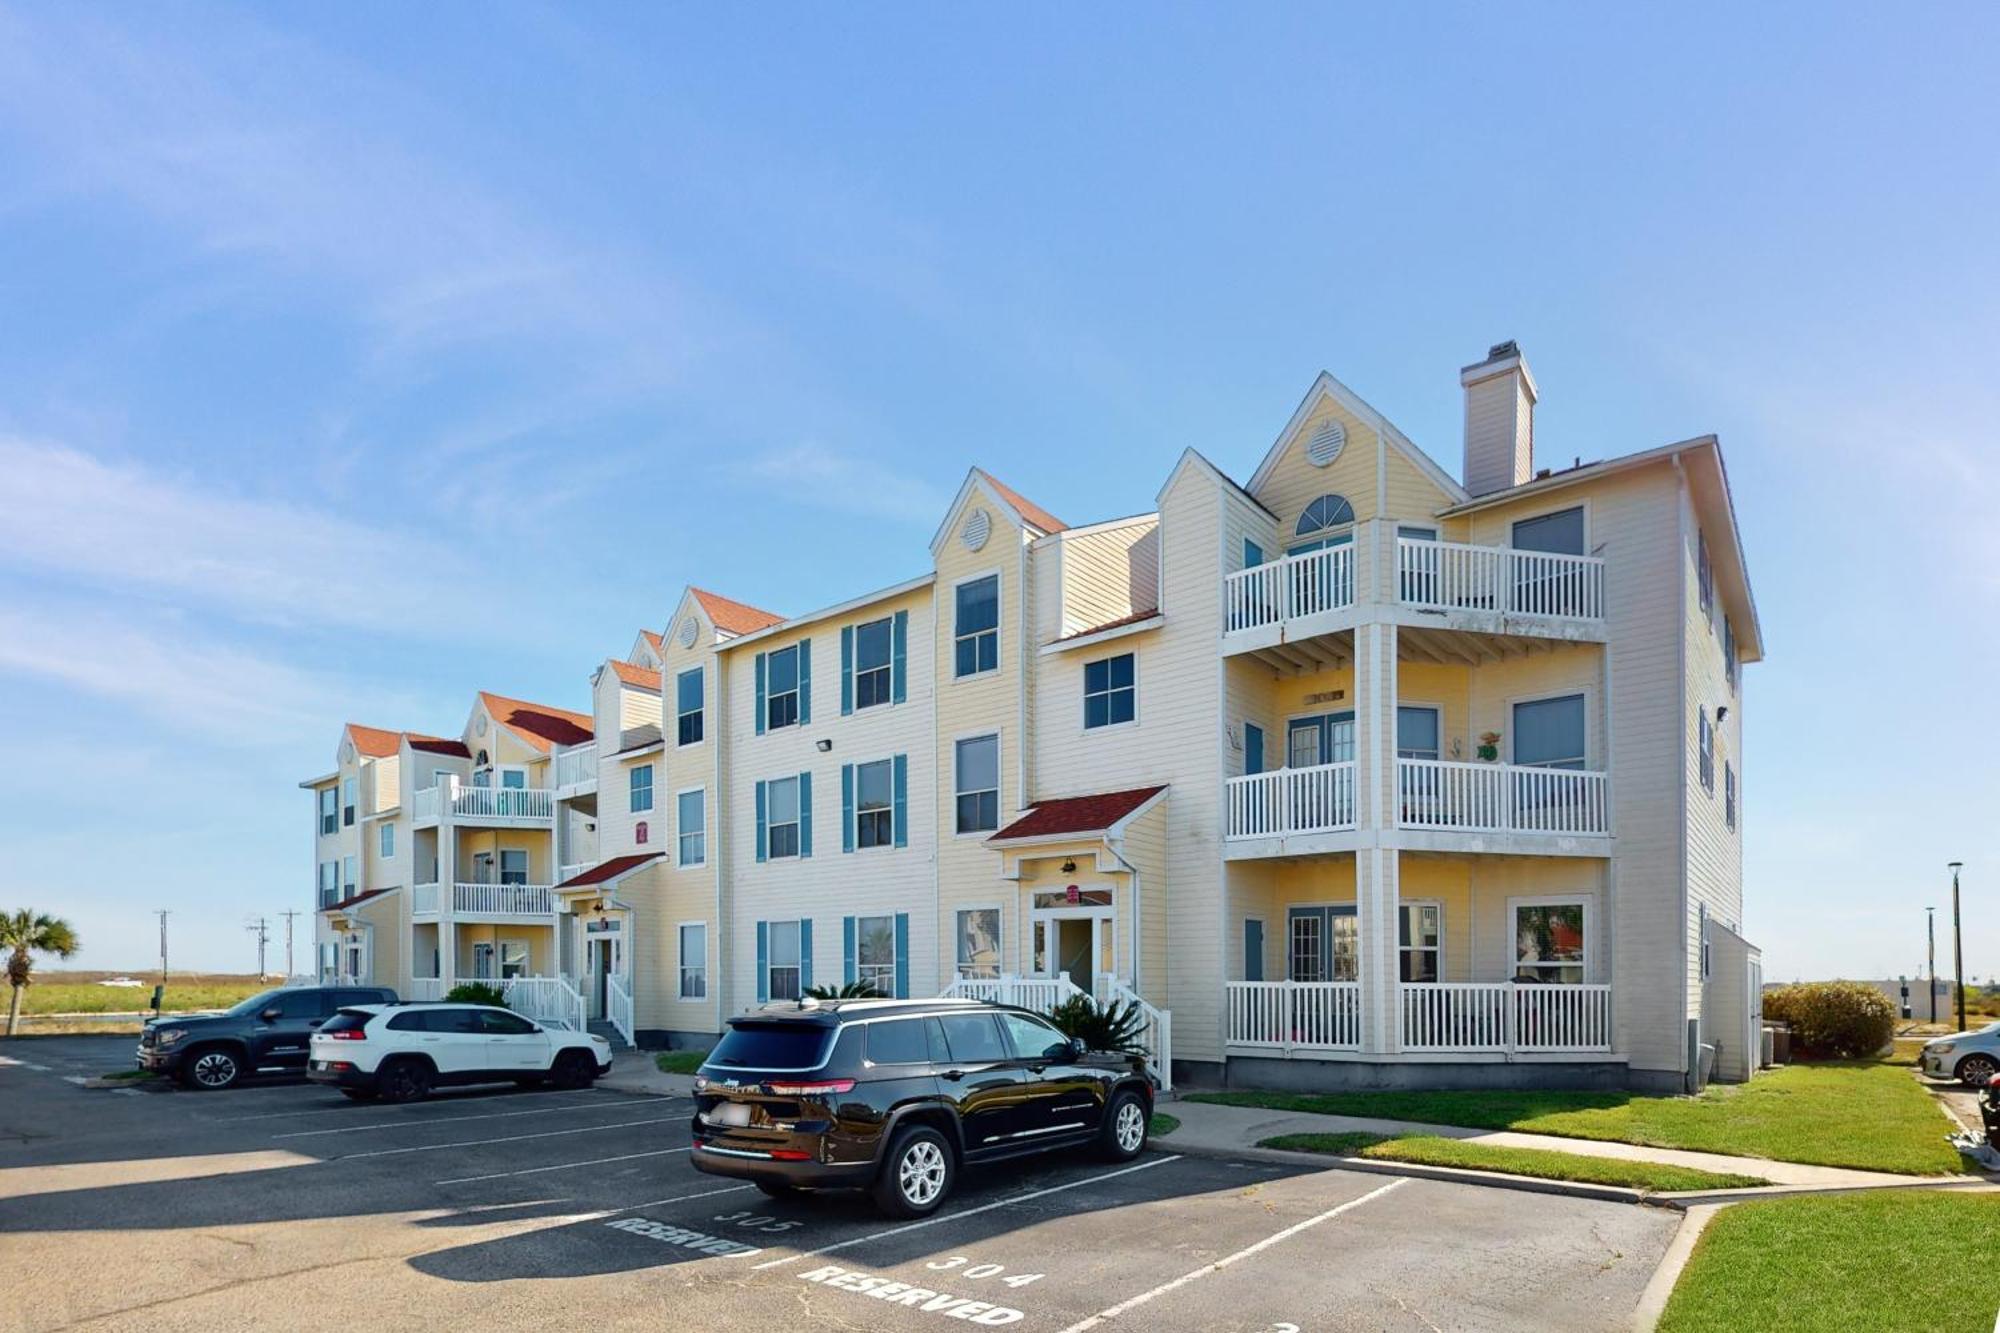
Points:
[(999, 773), (680, 829), (632, 786), (385, 840), (999, 619), (350, 801), (1590, 724), (1084, 683), (492, 955), (1730, 794), (770, 952), (1402, 905), (700, 969), (329, 811), (771, 825), (350, 872), (513, 954), (1439, 710), (1704, 741), (772, 696), (1583, 900), (888, 763), (500, 870), (999, 911), (701, 712), (862, 970), (887, 669)]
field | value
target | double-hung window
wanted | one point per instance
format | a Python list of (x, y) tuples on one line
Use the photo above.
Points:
[(781, 835), (875, 953), (1549, 943), (513, 865), (977, 783), (1729, 653), (781, 697), (1416, 732), (347, 880), (979, 942), (1550, 733), (874, 804), (687, 706), (386, 840), (694, 961), (782, 961), (691, 818), (329, 883), (874, 645), (329, 811), (1705, 738), (1420, 942), (1729, 793), (976, 626), (1704, 574), (350, 789), (1110, 691), (513, 958), (641, 779)]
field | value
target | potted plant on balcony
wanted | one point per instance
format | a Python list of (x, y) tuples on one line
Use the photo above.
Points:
[(1489, 746)]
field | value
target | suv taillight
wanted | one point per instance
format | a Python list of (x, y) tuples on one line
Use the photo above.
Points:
[(819, 1089), (347, 1034)]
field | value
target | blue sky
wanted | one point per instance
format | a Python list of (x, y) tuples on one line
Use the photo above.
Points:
[(320, 320)]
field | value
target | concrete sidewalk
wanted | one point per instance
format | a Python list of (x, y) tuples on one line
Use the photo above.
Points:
[(634, 1071), (1208, 1128)]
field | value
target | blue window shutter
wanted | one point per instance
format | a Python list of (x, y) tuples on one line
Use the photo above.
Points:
[(805, 954), (847, 972), (898, 656), (763, 952), (902, 955), (1253, 748), (760, 714), (902, 812), (761, 831), (847, 808), (805, 815), (805, 681), (846, 670), (1253, 554)]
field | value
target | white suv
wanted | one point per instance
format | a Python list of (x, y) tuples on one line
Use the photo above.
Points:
[(399, 1052)]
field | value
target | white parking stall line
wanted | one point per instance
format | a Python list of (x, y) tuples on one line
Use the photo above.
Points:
[(560, 1166), (348, 1108), (516, 1138), (1114, 1311), (1008, 1202), (410, 1122)]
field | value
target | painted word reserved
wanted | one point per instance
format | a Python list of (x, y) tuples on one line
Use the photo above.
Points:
[(681, 1236), (917, 1298)]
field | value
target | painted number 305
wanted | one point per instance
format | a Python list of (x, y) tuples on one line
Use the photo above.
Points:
[(750, 1221), (966, 1268)]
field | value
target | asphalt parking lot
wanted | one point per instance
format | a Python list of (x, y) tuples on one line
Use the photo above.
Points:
[(286, 1206)]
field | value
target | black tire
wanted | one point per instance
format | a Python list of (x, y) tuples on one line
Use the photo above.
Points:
[(1975, 1069), (405, 1080), (573, 1069), (358, 1094), (917, 1173), (1127, 1125), (531, 1081), (212, 1068), (778, 1189)]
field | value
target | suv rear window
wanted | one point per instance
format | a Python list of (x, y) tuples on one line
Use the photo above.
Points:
[(974, 1039), (347, 1020), (770, 1046), (902, 1042)]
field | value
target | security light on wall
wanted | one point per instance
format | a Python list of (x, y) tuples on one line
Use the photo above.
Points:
[(824, 745), (1069, 867)]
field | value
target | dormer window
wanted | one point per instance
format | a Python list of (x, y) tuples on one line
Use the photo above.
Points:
[(1327, 521)]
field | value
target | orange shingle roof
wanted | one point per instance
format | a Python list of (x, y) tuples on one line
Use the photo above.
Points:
[(374, 741), (636, 675), (732, 617), (538, 724), (657, 641), (1028, 509)]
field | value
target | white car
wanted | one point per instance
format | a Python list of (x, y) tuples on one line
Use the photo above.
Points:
[(399, 1052)]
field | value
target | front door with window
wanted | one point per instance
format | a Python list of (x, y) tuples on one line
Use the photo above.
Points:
[(1322, 944), (1077, 941), (1327, 738)]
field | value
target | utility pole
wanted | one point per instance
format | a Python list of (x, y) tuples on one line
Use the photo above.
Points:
[(1957, 947), (161, 913), (1930, 921), (261, 928), (288, 941)]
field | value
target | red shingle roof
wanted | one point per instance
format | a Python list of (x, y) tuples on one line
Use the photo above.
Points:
[(439, 745), (373, 741), (733, 617), (635, 675), (1027, 508), (1077, 814), (538, 724), (357, 898), (609, 870), (1132, 619)]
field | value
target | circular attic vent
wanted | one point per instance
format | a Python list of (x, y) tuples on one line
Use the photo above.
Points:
[(1326, 443), (978, 527), (689, 632)]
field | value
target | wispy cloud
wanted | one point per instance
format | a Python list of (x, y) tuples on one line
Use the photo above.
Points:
[(812, 474)]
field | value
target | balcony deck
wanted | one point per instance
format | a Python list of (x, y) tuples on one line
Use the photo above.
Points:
[(1323, 1019), (505, 904), (484, 807)]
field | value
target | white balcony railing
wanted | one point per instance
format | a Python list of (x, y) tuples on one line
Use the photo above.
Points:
[(1319, 799), (424, 804), (502, 899), (1289, 587), (1502, 798), (502, 803), (1455, 576), (424, 900), (618, 1004), (426, 988), (1295, 1015), (547, 1000), (1038, 993), (571, 871), (576, 764), (1504, 1016)]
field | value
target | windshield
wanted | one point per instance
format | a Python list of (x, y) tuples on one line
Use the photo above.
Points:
[(775, 1046), (256, 1004)]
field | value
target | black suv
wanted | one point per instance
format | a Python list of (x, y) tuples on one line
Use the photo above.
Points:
[(269, 1032), (893, 1096)]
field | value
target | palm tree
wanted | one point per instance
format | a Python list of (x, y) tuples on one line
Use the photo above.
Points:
[(27, 933)]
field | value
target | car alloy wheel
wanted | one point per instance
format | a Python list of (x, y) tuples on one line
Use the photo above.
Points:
[(1976, 1069), (1131, 1127), (920, 1173), (215, 1069)]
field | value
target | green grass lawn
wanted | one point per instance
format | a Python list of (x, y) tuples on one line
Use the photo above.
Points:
[(1429, 1150), (1854, 1113), (1163, 1124), (68, 997), (1876, 1262), (679, 1062)]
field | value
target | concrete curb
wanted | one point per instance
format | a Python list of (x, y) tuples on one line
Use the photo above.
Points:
[(1660, 1289), (1456, 1175)]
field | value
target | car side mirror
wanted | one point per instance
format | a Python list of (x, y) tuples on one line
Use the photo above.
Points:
[(1078, 1048), (270, 1015)]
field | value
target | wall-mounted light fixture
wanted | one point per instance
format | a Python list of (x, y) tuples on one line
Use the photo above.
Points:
[(1069, 867), (824, 745), (1721, 713)]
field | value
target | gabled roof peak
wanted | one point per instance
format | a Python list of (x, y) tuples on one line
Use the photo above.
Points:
[(731, 616)]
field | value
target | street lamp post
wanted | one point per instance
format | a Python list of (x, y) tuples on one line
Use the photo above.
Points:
[(1957, 947), (1930, 927)]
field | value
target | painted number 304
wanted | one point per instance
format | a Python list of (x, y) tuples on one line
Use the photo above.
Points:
[(966, 1268)]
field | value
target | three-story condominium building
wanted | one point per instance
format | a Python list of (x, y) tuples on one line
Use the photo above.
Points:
[(1352, 773)]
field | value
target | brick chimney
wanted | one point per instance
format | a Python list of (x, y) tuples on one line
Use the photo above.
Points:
[(1499, 420)]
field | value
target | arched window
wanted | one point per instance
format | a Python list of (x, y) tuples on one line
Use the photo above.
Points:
[(1327, 521)]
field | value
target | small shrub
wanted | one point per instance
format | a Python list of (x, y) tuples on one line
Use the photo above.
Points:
[(1839, 1019), (1117, 1026), (475, 992), (853, 990)]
